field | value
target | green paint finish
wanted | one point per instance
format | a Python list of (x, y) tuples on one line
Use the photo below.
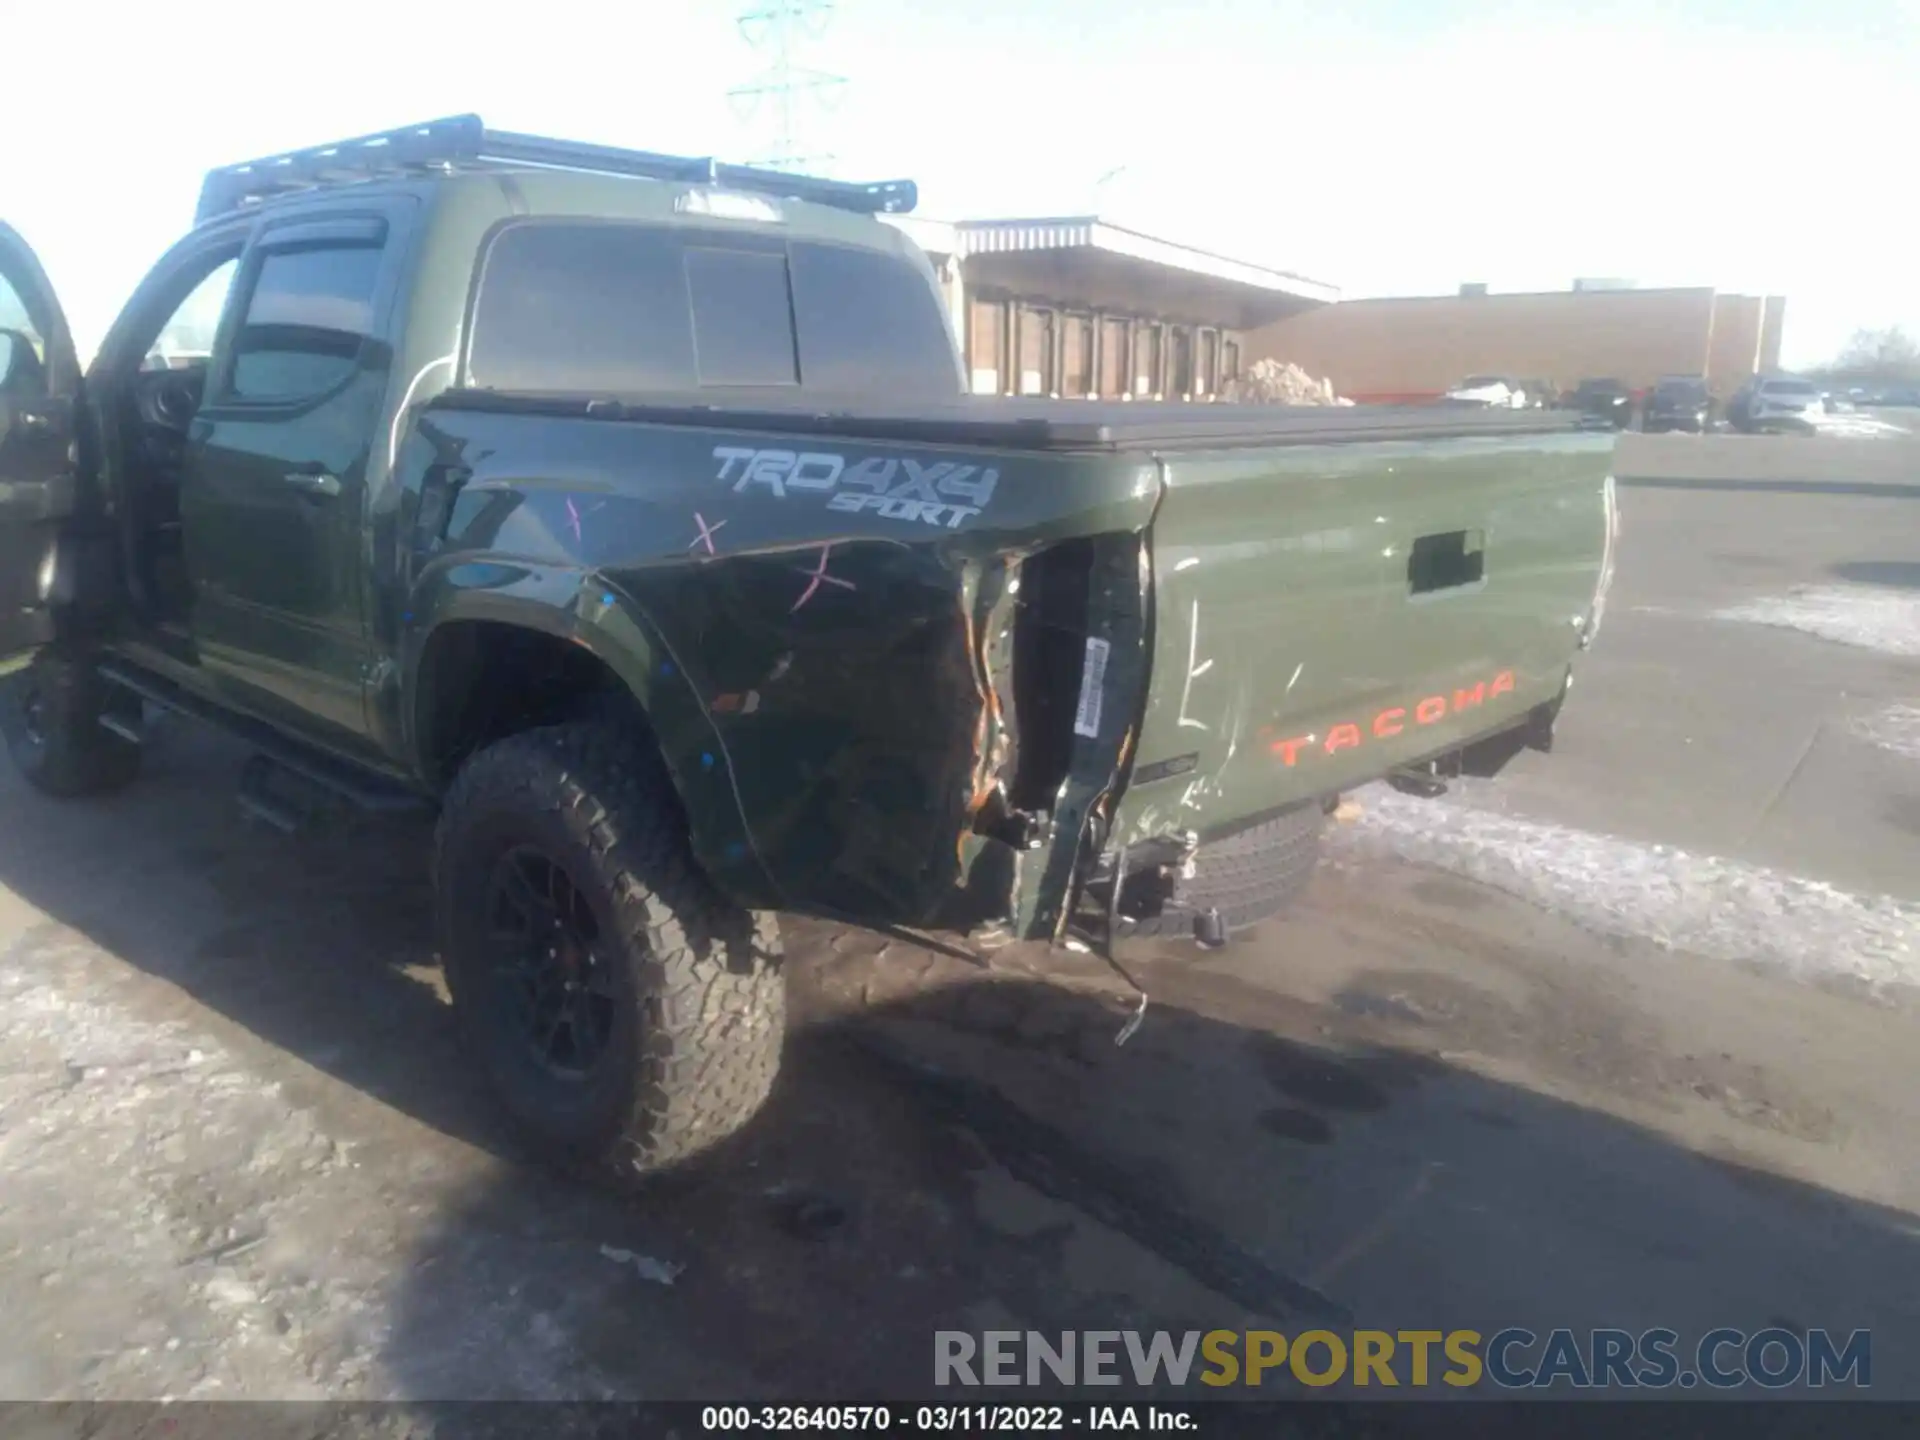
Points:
[(1284, 611)]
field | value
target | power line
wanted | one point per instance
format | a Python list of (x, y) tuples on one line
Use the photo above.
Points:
[(780, 28)]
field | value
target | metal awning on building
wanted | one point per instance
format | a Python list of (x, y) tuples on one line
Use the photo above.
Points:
[(1084, 260)]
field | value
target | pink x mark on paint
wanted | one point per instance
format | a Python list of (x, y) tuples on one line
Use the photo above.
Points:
[(573, 518), (816, 575), (707, 532)]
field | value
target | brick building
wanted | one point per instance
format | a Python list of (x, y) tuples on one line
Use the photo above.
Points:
[(1079, 307), (1418, 347)]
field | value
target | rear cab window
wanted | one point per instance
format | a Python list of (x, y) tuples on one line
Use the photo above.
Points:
[(617, 308), (742, 309)]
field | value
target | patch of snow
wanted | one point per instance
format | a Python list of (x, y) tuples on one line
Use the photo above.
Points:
[(1896, 728), (1701, 904), (1875, 619), (1857, 426)]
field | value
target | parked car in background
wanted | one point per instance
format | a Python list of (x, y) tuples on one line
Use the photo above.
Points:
[(1495, 391), (1770, 404), (1608, 399), (1868, 397), (1678, 402), (1540, 394)]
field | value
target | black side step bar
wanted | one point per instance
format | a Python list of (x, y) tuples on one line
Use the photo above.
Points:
[(126, 729), (339, 777), (258, 800)]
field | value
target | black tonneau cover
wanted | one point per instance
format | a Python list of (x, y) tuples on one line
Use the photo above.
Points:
[(991, 422)]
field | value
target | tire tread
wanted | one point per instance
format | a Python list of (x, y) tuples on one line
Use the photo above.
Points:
[(707, 977)]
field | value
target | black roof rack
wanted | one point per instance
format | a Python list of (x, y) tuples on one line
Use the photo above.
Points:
[(463, 142)]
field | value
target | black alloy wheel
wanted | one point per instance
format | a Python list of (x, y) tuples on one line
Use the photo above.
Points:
[(553, 980)]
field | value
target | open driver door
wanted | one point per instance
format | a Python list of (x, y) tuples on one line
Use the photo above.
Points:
[(39, 480)]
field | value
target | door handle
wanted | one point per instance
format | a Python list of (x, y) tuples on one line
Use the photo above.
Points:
[(313, 482)]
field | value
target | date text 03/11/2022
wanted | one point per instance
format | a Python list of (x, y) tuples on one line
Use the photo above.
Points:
[(944, 1419)]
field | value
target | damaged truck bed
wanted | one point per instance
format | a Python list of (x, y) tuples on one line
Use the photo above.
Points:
[(951, 661), (629, 511)]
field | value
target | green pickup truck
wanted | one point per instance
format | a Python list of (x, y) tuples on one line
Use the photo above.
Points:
[(629, 511)]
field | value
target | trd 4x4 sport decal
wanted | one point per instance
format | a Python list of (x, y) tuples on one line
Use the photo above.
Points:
[(941, 493)]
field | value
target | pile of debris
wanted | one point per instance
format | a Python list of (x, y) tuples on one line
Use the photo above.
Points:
[(1276, 382)]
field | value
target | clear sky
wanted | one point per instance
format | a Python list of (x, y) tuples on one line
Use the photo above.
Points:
[(1387, 146)]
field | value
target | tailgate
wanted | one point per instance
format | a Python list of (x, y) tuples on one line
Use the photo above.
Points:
[(1324, 613)]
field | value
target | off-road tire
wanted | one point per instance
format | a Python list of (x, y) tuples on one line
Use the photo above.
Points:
[(700, 1000), (51, 713), (1247, 877)]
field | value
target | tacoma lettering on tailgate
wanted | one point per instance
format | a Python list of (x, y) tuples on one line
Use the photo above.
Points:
[(1429, 710)]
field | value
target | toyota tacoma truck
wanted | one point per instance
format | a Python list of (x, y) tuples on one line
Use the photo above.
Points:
[(630, 513)]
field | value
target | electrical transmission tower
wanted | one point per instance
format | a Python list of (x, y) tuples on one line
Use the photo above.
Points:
[(779, 29)]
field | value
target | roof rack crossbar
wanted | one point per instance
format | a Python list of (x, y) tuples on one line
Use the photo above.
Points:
[(462, 142)]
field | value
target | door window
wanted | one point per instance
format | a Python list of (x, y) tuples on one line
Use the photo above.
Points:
[(186, 339), (308, 318), (14, 317), (36, 361)]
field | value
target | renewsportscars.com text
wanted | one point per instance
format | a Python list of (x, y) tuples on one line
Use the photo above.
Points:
[(1512, 1359)]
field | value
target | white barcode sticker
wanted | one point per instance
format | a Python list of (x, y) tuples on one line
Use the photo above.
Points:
[(1086, 716)]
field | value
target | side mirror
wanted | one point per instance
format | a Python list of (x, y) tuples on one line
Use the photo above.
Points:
[(20, 368)]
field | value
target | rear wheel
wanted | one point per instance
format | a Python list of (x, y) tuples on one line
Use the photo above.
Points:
[(627, 1016), (51, 713), (1247, 877)]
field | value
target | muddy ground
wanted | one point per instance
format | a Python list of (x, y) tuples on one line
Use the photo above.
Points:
[(241, 1156)]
